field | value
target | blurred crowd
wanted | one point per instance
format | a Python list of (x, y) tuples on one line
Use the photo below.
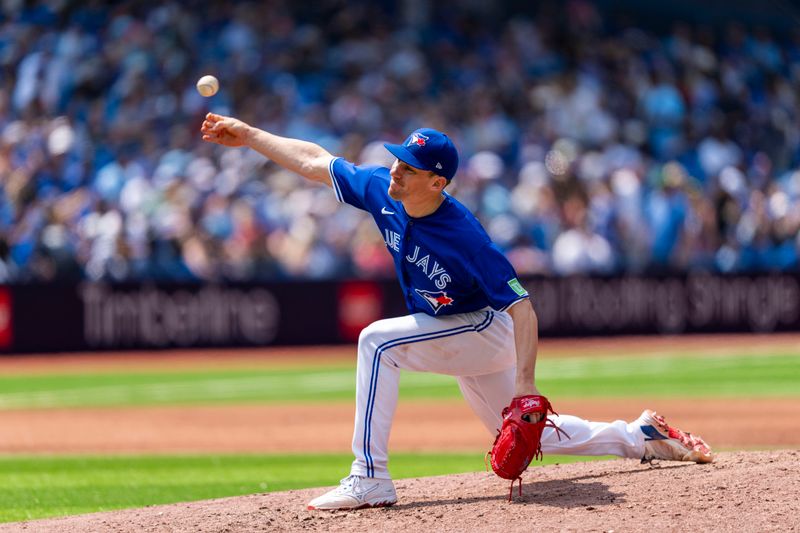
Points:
[(589, 144)]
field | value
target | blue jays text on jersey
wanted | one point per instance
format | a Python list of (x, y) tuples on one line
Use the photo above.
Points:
[(445, 261)]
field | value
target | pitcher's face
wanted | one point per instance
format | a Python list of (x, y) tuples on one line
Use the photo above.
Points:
[(411, 183)]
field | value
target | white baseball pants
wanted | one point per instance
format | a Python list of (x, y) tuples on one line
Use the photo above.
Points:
[(478, 349)]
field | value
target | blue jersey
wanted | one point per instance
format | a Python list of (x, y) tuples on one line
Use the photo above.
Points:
[(445, 261)]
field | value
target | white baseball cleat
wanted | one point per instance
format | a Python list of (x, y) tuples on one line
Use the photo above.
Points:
[(356, 492), (669, 443)]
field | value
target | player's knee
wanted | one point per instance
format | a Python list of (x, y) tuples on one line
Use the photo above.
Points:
[(372, 336)]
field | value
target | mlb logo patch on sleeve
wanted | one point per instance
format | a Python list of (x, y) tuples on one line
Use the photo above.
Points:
[(517, 287)]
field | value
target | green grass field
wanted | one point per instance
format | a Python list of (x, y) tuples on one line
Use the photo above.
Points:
[(684, 375), (38, 487), (41, 486)]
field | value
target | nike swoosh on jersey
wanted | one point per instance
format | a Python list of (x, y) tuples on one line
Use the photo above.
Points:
[(385, 211)]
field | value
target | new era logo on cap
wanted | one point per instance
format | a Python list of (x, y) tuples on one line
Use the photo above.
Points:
[(428, 149)]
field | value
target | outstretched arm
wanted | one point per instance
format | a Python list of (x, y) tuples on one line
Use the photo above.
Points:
[(305, 158), (526, 338)]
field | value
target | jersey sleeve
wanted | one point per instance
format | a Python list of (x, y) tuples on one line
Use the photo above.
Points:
[(350, 182), (496, 278)]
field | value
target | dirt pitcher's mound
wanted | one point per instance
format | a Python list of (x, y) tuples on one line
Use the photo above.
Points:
[(742, 491)]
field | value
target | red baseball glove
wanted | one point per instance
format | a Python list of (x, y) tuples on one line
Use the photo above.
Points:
[(519, 440)]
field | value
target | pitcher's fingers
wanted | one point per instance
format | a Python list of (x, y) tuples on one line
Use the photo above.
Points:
[(213, 127), (212, 138)]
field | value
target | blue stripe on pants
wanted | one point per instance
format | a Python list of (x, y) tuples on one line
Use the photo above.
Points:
[(373, 383)]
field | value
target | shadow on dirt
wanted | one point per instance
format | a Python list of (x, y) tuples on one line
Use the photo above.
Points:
[(565, 493), (574, 492)]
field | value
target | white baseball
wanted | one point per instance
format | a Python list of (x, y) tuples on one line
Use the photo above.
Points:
[(208, 85)]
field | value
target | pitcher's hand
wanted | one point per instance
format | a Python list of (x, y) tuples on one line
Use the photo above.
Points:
[(227, 131)]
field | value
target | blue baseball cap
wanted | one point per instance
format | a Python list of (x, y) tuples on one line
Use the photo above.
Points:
[(428, 149)]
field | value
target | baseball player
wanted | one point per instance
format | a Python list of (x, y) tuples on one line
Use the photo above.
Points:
[(469, 316)]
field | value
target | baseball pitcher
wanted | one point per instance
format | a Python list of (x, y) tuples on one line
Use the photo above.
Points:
[(469, 317)]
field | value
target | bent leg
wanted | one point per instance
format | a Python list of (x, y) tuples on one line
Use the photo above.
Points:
[(487, 395), (593, 438), (418, 343), (377, 384)]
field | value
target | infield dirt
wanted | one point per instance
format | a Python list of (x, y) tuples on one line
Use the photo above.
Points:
[(419, 426)]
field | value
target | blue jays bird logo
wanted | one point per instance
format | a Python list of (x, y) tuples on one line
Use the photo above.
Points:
[(418, 139), (436, 300)]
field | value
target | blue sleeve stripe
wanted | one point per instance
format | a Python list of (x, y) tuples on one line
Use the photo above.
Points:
[(334, 183), (513, 302)]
